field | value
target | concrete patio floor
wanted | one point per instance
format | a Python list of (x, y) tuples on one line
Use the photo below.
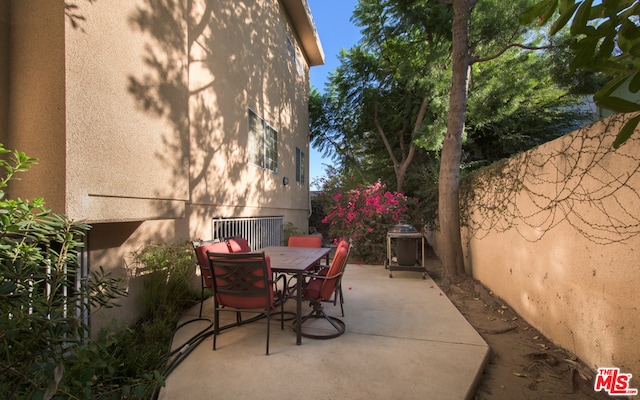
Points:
[(404, 340)]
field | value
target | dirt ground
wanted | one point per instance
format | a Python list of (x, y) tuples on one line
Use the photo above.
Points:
[(523, 363)]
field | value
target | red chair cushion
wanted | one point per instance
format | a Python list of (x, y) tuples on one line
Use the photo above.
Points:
[(239, 245), (337, 265), (343, 243), (312, 291), (314, 241), (322, 289), (203, 260)]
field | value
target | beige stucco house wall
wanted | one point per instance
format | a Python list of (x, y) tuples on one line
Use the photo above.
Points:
[(139, 115), (555, 233)]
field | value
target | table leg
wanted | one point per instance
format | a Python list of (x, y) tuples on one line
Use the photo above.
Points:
[(299, 308)]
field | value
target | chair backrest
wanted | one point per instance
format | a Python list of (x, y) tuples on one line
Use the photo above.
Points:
[(347, 245), (241, 280), (305, 241), (238, 245), (343, 243), (201, 248), (334, 273)]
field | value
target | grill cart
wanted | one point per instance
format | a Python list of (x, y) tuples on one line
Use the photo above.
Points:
[(405, 250)]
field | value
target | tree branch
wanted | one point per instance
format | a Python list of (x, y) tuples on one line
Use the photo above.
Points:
[(507, 47), (383, 136), (198, 29), (203, 88), (345, 153), (420, 116)]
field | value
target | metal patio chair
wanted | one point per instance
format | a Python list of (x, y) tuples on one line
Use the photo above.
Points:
[(200, 248), (321, 288), (338, 295), (242, 282)]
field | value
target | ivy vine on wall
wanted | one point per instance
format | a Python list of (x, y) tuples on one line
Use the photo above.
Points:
[(579, 179)]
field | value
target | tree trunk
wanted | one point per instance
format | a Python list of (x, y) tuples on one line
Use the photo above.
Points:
[(448, 186)]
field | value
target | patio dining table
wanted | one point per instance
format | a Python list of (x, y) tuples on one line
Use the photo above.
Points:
[(295, 261)]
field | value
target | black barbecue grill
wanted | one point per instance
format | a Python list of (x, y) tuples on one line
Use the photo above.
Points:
[(405, 250)]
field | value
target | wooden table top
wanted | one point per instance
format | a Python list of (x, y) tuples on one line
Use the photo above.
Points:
[(294, 259)]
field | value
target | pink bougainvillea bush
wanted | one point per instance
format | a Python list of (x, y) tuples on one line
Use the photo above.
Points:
[(364, 213)]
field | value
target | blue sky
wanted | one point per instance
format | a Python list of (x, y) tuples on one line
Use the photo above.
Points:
[(332, 19)]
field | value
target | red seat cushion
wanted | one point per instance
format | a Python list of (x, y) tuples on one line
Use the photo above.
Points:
[(312, 291), (337, 265), (322, 289), (343, 243)]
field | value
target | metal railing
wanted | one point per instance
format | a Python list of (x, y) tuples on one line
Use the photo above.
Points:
[(259, 231)]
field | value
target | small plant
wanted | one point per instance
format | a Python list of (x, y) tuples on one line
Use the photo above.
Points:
[(167, 282), (290, 230), (143, 349)]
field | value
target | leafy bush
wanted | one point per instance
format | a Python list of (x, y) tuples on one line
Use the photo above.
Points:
[(43, 350), (317, 215), (290, 230), (116, 365), (167, 284), (364, 213)]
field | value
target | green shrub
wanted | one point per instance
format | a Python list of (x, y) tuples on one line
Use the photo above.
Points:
[(290, 230), (43, 350), (167, 284)]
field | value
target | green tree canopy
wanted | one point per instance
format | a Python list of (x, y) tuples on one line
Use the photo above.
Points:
[(388, 99), (386, 96), (605, 39), (408, 79)]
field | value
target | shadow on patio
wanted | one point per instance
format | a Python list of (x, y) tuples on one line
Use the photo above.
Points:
[(404, 340)]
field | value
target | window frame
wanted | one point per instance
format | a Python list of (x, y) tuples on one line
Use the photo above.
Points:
[(300, 166), (262, 143), (292, 49)]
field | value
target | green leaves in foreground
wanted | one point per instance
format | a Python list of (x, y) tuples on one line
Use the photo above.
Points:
[(606, 40), (44, 302)]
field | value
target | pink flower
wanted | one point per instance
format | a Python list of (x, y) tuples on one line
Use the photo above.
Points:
[(362, 211)]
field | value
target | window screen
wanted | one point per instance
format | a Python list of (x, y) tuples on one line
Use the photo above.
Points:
[(263, 143)]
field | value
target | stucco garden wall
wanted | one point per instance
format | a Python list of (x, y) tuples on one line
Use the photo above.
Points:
[(555, 233)]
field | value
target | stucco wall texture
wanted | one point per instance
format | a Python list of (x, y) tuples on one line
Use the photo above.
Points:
[(555, 233), (139, 116)]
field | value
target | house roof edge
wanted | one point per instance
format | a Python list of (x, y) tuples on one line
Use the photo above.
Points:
[(303, 23)]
